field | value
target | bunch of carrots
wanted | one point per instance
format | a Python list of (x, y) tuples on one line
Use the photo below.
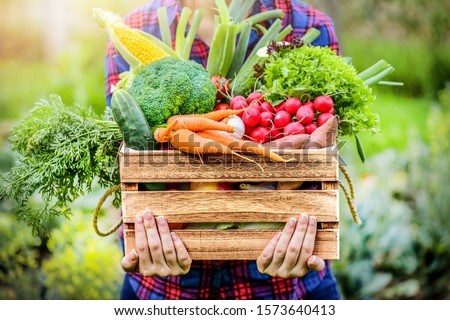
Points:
[(206, 134)]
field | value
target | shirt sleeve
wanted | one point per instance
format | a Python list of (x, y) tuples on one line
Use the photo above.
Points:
[(327, 32), (114, 66)]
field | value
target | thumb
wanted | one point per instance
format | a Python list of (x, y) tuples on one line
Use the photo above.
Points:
[(315, 263), (130, 261)]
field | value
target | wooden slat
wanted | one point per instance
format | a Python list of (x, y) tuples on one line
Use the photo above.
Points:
[(232, 205), (240, 244), (176, 166)]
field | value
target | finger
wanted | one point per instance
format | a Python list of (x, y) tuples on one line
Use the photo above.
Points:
[(316, 263), (283, 243), (183, 258), (309, 241), (168, 248), (266, 256), (153, 239), (130, 261), (296, 243), (141, 241)]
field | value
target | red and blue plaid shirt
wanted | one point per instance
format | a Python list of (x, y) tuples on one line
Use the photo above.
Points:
[(223, 279)]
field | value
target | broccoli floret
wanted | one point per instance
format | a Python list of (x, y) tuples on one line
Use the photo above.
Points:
[(170, 86)]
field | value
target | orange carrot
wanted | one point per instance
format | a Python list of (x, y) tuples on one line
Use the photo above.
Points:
[(196, 124), (241, 145), (218, 115), (163, 134), (190, 142)]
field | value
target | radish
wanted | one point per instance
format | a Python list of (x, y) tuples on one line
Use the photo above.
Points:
[(251, 117), (282, 119), (260, 134), (305, 115), (238, 102), (309, 104), (275, 133), (310, 128), (266, 119), (292, 105), (255, 96), (281, 107), (323, 117), (323, 103), (266, 106), (293, 128), (221, 106)]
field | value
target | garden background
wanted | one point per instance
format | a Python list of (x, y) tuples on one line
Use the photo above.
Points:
[(402, 249)]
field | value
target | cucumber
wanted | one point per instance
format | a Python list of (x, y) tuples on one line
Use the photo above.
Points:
[(135, 129)]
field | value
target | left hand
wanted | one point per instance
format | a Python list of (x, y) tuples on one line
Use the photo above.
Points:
[(289, 253)]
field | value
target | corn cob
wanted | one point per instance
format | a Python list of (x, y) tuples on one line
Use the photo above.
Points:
[(140, 47), (134, 47)]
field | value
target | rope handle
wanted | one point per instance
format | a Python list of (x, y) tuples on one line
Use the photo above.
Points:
[(349, 194), (97, 211)]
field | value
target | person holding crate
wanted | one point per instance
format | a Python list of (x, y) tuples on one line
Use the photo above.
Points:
[(286, 269)]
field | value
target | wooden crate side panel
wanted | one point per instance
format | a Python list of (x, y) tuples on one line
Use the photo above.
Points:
[(240, 244), (231, 206), (175, 166)]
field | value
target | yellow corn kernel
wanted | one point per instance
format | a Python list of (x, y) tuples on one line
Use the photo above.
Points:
[(139, 46)]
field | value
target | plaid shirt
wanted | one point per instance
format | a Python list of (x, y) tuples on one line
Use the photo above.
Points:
[(223, 279)]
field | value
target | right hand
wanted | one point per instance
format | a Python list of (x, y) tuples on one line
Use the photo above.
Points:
[(159, 253)]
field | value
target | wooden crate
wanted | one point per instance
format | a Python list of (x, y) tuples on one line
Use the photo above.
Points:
[(232, 205)]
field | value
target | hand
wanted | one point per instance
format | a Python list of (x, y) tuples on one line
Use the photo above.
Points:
[(289, 253), (158, 252)]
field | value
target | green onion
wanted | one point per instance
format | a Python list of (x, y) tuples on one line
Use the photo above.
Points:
[(311, 35), (228, 52), (267, 15), (375, 79), (242, 9), (241, 50), (222, 8), (216, 50), (373, 70), (164, 27), (181, 30), (271, 33), (283, 34), (198, 15)]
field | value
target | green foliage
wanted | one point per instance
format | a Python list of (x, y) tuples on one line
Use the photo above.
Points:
[(170, 86), (402, 249), (82, 265), (313, 71), (62, 151), (20, 277)]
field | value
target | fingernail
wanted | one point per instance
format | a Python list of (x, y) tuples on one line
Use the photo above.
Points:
[(139, 218), (303, 218), (147, 215), (278, 236), (312, 260), (135, 254), (312, 221), (292, 222), (162, 221)]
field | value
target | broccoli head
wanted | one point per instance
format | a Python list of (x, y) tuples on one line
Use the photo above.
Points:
[(171, 86)]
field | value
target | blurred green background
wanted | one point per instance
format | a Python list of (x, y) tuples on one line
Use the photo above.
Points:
[(402, 249)]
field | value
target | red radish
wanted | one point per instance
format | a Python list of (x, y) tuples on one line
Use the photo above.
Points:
[(257, 105), (305, 115), (266, 106), (310, 128), (282, 118), (248, 130), (266, 119), (293, 128), (309, 104), (331, 111), (323, 103), (255, 96), (238, 102), (222, 86), (281, 107), (292, 105), (222, 106), (275, 133), (260, 134), (323, 117), (251, 117)]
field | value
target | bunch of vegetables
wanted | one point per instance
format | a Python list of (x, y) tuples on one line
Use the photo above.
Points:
[(244, 100)]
